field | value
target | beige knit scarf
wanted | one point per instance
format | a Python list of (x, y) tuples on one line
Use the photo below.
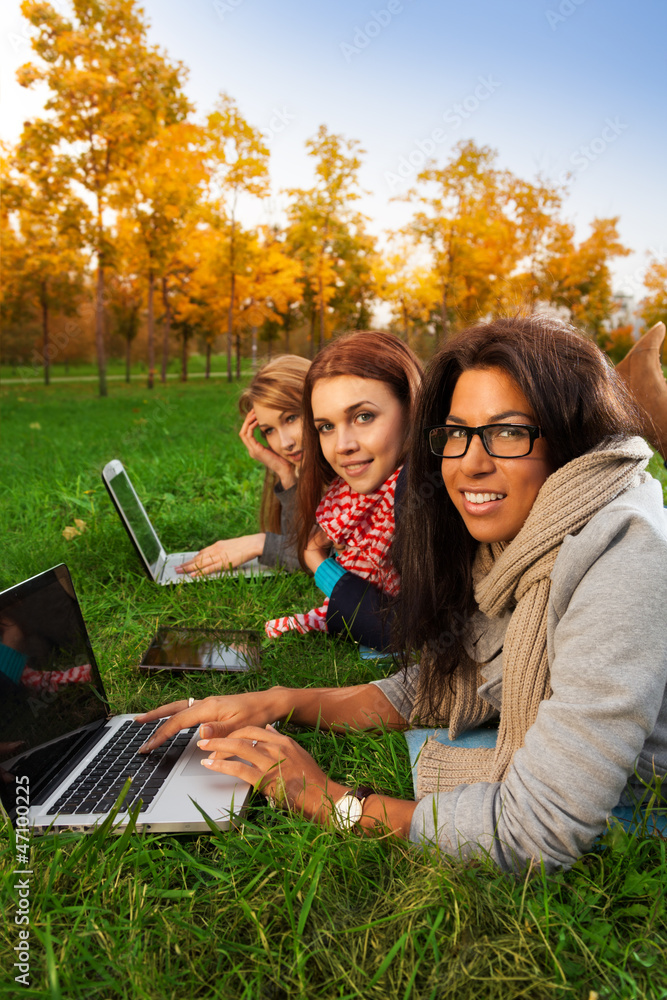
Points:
[(516, 576)]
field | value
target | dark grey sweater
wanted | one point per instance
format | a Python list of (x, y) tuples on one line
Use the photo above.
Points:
[(280, 549), (607, 716)]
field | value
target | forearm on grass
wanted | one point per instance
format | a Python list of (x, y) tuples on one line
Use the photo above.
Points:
[(361, 707)]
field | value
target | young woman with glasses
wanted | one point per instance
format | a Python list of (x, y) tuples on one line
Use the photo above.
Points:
[(533, 559)]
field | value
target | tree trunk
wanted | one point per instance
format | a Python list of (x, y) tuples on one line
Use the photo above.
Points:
[(166, 330), (445, 320), (99, 328), (184, 360), (312, 335), (232, 288), (238, 355), (209, 347), (321, 292), (128, 356), (45, 328), (254, 349), (151, 331)]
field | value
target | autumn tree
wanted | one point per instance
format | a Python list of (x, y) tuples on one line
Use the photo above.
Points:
[(479, 223), (110, 93), (237, 161), (577, 277), (410, 289), (158, 196), (271, 287), (41, 250), (328, 237), (653, 308)]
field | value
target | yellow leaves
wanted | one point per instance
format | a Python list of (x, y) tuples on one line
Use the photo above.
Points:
[(35, 426), (72, 531)]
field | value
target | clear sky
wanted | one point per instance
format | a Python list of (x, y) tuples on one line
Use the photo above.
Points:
[(553, 85)]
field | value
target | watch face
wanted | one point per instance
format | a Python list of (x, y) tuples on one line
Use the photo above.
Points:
[(347, 812)]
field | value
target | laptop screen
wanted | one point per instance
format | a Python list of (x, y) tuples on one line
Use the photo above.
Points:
[(135, 516), (51, 693)]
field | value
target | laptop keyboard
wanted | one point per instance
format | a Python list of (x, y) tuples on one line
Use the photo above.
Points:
[(100, 783)]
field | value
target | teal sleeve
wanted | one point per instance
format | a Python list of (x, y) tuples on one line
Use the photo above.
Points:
[(11, 663), (327, 575)]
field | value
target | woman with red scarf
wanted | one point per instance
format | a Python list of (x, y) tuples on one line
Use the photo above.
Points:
[(357, 405)]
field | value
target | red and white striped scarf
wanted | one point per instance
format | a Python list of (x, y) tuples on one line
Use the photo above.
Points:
[(364, 524)]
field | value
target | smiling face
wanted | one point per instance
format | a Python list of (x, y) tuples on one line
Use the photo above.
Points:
[(362, 428), (281, 429), (493, 495)]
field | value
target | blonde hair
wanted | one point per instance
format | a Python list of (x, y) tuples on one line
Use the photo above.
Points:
[(279, 385)]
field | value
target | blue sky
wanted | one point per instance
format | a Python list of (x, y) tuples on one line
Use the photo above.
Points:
[(553, 85)]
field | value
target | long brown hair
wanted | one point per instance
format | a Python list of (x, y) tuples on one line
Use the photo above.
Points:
[(279, 385), (368, 354), (578, 400)]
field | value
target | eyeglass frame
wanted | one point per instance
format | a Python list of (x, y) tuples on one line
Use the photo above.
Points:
[(534, 432)]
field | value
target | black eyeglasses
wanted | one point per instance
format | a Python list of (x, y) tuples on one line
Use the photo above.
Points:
[(499, 440)]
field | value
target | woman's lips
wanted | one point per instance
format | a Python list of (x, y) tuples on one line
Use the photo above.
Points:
[(355, 469), (295, 457), (477, 503)]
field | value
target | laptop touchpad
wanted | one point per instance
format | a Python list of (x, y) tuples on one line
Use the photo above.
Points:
[(194, 766)]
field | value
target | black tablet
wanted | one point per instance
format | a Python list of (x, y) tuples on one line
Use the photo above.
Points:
[(194, 650)]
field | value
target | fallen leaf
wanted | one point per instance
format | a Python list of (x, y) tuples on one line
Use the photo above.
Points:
[(81, 525), (35, 427), (70, 532)]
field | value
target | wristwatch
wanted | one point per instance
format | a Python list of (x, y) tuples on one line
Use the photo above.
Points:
[(349, 810)]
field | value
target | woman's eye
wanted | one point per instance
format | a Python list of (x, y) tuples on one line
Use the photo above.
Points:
[(510, 433), (456, 433), (364, 418), (267, 431), (324, 428), (292, 417)]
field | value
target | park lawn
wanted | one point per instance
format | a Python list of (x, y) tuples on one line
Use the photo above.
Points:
[(278, 908)]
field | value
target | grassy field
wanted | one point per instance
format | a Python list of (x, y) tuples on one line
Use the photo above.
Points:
[(278, 908)]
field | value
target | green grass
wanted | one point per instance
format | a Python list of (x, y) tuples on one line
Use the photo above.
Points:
[(277, 908), (116, 367)]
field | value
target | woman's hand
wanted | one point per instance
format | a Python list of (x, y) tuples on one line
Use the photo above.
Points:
[(285, 471), (230, 552), (317, 550), (277, 766), (217, 716)]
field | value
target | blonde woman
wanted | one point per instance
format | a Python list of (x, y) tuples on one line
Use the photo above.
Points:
[(272, 405)]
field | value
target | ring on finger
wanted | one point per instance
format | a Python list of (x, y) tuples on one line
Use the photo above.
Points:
[(254, 743), (191, 702)]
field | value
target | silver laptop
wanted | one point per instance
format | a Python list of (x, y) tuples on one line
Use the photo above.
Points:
[(160, 566), (63, 757)]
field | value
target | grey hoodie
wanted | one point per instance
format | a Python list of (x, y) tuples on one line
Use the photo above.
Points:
[(607, 716)]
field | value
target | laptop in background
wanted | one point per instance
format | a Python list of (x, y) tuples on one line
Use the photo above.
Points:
[(61, 752), (160, 566)]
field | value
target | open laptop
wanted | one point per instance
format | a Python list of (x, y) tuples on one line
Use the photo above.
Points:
[(63, 757), (160, 566)]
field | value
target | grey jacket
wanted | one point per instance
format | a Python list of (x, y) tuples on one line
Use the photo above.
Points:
[(607, 716), (280, 549)]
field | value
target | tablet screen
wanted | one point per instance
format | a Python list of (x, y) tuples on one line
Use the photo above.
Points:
[(189, 649)]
